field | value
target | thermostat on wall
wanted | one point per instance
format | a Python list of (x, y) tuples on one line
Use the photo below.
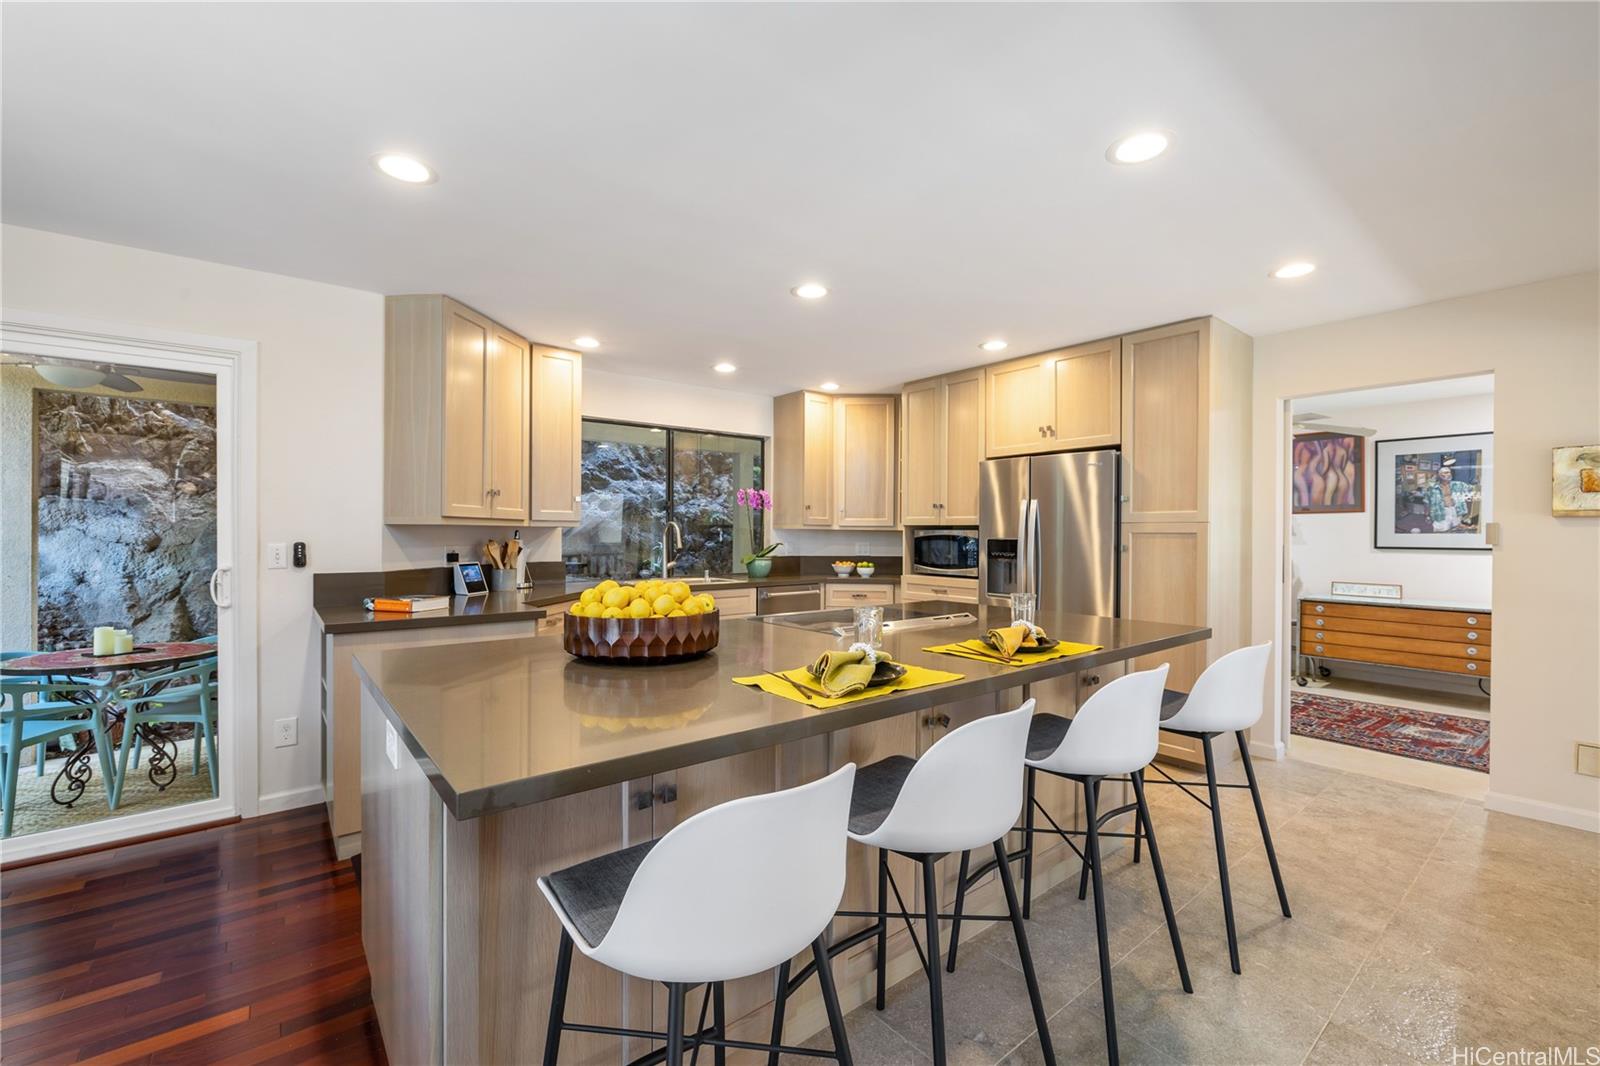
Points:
[(1365, 590)]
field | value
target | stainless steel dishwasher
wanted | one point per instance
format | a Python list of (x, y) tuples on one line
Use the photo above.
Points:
[(788, 598)]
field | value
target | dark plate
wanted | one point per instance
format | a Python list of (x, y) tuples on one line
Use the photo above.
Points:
[(887, 673)]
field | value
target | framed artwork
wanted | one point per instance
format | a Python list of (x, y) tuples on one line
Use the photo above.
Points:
[(1575, 482), (1433, 493), (1330, 473)]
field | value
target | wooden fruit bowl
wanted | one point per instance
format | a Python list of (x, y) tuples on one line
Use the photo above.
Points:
[(641, 641)]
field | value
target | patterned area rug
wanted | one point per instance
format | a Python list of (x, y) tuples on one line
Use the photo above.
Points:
[(1450, 739), (36, 812)]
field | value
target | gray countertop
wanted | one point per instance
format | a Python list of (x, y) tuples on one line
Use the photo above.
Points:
[(464, 610), (546, 593), (502, 724)]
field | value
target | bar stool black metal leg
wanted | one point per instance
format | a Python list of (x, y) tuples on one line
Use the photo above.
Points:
[(1138, 831), (1222, 852), (1261, 816), (883, 925), (1092, 837), (719, 1019), (1032, 777), (961, 898), (779, 1002), (930, 907), (1018, 930), (830, 1002), (1161, 879), (558, 1000), (1083, 875), (675, 997)]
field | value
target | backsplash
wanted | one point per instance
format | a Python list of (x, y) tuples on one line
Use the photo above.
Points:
[(854, 544)]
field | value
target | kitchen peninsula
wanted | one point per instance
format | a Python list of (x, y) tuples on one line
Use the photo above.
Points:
[(484, 765)]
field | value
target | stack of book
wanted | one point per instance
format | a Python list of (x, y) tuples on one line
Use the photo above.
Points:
[(406, 604)]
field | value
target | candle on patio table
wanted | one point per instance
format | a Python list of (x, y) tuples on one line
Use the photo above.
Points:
[(124, 641), (105, 640)]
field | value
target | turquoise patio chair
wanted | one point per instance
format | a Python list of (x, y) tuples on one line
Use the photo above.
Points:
[(50, 716), (138, 741), (189, 698)]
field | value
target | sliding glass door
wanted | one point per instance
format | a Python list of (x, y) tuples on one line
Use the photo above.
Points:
[(637, 478)]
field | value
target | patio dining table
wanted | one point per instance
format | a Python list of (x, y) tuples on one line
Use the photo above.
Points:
[(114, 674)]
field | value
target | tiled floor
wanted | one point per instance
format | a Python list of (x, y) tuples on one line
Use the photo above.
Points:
[(1421, 924)]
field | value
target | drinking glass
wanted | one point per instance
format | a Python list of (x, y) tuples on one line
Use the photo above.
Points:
[(1024, 606), (869, 626)]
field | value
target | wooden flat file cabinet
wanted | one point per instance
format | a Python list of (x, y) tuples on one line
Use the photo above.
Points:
[(1446, 639)]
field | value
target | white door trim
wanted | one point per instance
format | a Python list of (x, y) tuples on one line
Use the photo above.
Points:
[(234, 363)]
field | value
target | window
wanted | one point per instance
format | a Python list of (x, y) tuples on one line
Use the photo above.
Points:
[(638, 478)]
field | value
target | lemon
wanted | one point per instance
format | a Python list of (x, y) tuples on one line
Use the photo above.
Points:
[(611, 612), (639, 609), (676, 612), (708, 602), (664, 604), (605, 586), (690, 606), (617, 597), (588, 596), (576, 608), (678, 591)]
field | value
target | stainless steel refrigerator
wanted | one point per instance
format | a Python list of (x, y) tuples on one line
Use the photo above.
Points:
[(1048, 524)]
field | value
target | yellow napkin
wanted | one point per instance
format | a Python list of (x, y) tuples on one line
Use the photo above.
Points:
[(983, 652), (916, 677), (1007, 639), (843, 673)]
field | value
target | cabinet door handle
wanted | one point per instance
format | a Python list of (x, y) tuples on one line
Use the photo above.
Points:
[(1051, 430), (1472, 634), (1471, 621), (940, 720), (1319, 608), (666, 794), (643, 801), (1472, 651), (1473, 667)]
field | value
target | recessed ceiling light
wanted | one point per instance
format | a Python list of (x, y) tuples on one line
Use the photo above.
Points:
[(405, 168), (1297, 269), (830, 386), (810, 291), (724, 368), (585, 342), (996, 345), (1139, 147)]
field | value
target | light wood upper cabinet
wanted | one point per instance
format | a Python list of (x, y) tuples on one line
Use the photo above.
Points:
[(466, 487), (1055, 401), (1165, 410), (864, 456), (557, 460), (507, 404), (834, 461), (941, 448), (1088, 396), (1021, 402), (479, 426)]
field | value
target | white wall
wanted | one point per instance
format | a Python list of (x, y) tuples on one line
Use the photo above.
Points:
[(320, 409), (1338, 547), (1542, 343)]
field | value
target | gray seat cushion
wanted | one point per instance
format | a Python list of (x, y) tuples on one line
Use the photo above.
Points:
[(1045, 734), (1172, 702), (591, 892), (877, 786)]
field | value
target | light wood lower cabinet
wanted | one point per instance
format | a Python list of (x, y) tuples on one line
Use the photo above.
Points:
[(915, 587), (856, 594), (734, 603)]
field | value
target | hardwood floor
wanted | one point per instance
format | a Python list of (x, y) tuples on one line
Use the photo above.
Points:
[(237, 944)]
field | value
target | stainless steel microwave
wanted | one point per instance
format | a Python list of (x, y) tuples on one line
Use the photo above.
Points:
[(946, 552)]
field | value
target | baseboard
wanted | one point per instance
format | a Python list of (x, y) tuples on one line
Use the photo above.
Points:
[(289, 799), (1540, 811), (1268, 749)]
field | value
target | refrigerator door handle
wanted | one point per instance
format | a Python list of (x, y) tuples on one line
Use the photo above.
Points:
[(1035, 558), (1024, 558)]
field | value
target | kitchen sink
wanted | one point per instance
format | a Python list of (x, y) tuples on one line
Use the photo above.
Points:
[(692, 581)]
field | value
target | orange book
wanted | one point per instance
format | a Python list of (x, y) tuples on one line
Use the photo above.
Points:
[(406, 604)]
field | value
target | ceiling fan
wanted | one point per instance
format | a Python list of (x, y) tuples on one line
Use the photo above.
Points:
[(1310, 422), (73, 375)]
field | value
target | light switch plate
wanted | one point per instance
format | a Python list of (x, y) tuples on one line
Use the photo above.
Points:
[(391, 744), (1589, 759), (277, 556), (285, 732)]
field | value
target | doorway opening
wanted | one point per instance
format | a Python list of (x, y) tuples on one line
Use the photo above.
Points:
[(1391, 499)]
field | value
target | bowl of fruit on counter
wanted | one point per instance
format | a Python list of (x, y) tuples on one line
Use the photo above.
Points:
[(649, 622)]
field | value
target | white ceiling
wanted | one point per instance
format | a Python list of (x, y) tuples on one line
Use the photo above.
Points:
[(661, 175), (1387, 395)]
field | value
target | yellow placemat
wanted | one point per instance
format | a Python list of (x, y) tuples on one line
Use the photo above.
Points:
[(916, 677), (980, 651)]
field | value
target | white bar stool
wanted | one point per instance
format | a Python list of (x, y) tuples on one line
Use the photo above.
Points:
[(964, 792), (732, 891), (1228, 698), (1113, 733)]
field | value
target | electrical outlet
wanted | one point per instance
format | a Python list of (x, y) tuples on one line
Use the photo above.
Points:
[(285, 732), (277, 557), (1588, 759), (863, 547), (391, 745)]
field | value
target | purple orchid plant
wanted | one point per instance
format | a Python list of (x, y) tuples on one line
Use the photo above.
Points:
[(758, 500)]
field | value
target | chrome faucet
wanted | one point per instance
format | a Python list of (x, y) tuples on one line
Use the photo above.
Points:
[(673, 533)]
